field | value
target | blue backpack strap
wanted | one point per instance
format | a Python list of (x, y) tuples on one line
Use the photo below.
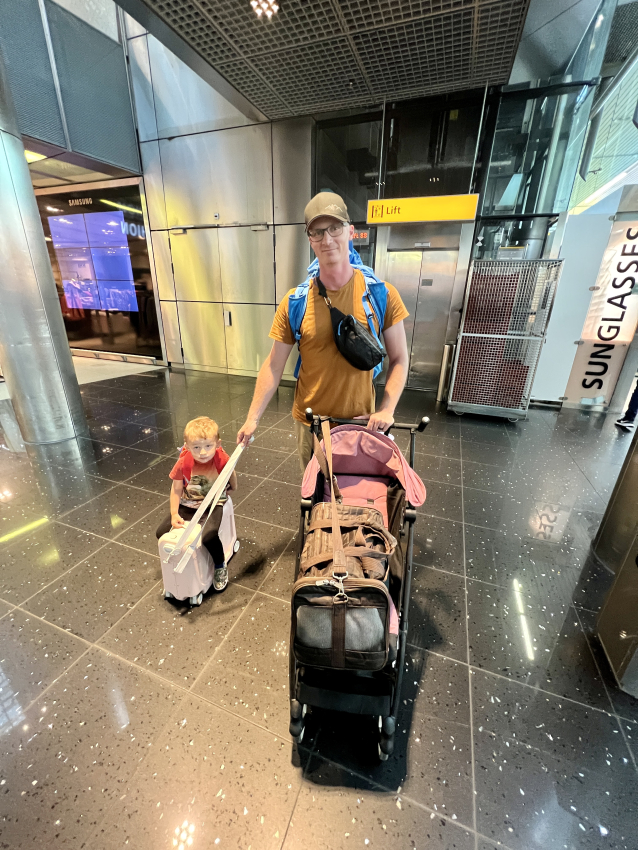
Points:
[(297, 303)]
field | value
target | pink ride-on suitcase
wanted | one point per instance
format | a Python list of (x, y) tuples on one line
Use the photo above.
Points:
[(187, 568)]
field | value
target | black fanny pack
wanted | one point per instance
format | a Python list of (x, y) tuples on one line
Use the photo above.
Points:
[(353, 340)]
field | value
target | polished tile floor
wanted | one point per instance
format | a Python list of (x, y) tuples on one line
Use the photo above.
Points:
[(128, 721)]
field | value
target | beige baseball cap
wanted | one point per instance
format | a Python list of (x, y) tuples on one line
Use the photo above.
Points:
[(326, 203)]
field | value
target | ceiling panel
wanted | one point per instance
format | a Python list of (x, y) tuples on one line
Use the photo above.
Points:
[(326, 55)]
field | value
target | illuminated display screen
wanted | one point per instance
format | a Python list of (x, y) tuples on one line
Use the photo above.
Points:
[(94, 259)]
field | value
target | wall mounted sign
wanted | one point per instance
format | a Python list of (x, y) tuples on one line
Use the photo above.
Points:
[(431, 208), (611, 321), (361, 237)]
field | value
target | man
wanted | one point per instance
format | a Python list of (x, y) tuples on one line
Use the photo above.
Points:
[(327, 382), (628, 419)]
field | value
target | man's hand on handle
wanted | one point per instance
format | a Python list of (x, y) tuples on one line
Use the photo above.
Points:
[(246, 431), (379, 421)]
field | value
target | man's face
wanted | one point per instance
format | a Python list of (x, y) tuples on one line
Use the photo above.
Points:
[(203, 449), (332, 249)]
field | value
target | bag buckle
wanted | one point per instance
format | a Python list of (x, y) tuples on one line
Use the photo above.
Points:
[(339, 578)]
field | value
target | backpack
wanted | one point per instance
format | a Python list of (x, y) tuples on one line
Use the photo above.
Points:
[(375, 298)]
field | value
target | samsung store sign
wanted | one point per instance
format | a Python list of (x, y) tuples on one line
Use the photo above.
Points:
[(611, 321)]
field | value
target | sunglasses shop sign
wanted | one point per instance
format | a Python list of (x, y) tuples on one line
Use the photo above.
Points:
[(611, 320)]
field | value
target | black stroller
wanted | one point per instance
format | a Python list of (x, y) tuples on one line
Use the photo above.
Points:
[(349, 630)]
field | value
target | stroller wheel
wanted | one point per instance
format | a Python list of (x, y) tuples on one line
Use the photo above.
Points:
[(168, 595), (297, 729), (196, 600), (382, 756), (236, 546)]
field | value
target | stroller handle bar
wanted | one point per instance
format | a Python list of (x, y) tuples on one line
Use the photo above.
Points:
[(421, 426)]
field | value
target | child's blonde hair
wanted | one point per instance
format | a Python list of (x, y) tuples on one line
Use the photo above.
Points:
[(202, 428)]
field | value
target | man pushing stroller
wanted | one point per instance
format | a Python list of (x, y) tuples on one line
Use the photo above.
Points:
[(328, 382)]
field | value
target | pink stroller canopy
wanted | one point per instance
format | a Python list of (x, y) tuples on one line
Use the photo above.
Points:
[(356, 451)]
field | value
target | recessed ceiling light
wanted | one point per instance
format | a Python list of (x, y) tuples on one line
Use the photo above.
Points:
[(264, 7)]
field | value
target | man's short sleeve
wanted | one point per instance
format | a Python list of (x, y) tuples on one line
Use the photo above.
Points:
[(281, 330), (395, 310)]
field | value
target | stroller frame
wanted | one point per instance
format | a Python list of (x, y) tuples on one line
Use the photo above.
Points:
[(352, 691)]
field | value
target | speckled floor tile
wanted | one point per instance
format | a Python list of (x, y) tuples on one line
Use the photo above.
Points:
[(32, 655), (437, 613), (68, 759), (249, 673), (260, 547), (173, 639), (550, 773), (33, 561), (259, 461), (280, 580), (112, 513), (444, 470), (289, 471), (533, 639), (155, 476), (273, 502), (438, 543), (213, 777), (93, 596), (339, 809), (442, 500)]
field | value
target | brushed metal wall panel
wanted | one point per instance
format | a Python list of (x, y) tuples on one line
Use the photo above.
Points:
[(163, 269), (172, 338), (196, 265), (202, 331), (142, 88), (431, 320), (185, 102), (223, 177), (292, 168), (440, 234), (402, 271), (292, 257), (247, 340), (246, 259), (153, 184)]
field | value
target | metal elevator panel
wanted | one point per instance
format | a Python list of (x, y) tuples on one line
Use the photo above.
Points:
[(402, 270), (246, 259), (232, 180), (202, 333), (196, 265), (247, 340), (431, 319)]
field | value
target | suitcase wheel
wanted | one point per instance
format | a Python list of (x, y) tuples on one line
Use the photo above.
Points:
[(168, 595), (196, 600), (236, 546)]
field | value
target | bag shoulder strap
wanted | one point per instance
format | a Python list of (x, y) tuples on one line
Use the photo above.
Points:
[(338, 555)]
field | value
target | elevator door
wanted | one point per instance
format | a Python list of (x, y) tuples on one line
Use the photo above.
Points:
[(434, 298)]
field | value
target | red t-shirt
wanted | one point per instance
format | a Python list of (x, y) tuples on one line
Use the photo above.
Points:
[(202, 476)]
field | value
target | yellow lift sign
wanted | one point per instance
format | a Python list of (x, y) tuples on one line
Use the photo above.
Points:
[(432, 208)]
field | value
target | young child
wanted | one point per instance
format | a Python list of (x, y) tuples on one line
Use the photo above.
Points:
[(197, 468)]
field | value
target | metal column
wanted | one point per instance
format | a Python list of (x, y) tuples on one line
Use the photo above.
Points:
[(34, 352)]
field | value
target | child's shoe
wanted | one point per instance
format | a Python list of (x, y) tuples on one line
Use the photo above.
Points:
[(220, 578)]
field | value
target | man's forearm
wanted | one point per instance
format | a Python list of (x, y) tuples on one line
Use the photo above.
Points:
[(267, 383), (397, 376)]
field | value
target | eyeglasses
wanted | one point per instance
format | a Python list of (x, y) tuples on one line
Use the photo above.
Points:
[(317, 233)]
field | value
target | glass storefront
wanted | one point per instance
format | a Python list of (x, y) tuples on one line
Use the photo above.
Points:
[(97, 247)]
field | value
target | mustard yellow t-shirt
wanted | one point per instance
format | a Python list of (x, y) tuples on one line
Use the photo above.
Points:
[(327, 382)]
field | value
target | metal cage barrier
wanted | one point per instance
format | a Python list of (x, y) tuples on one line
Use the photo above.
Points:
[(505, 316)]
